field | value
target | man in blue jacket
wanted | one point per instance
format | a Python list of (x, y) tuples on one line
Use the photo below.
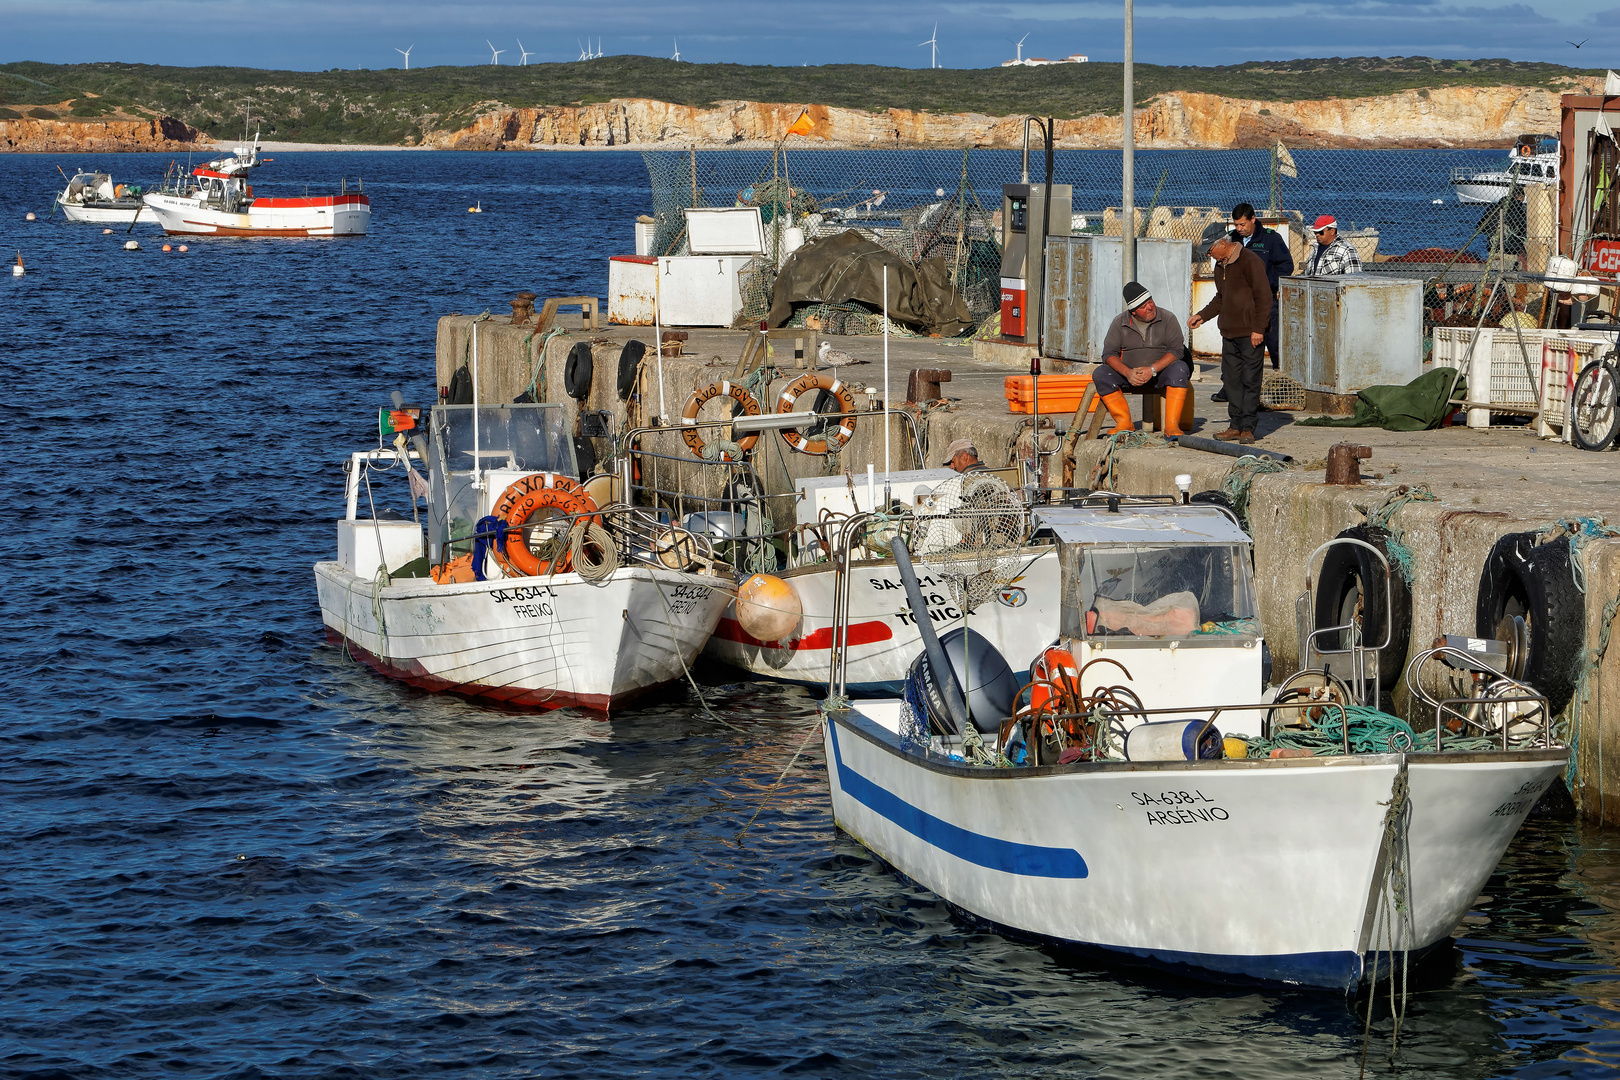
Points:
[(1273, 251)]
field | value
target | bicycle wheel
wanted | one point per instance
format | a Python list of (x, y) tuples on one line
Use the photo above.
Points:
[(1594, 406)]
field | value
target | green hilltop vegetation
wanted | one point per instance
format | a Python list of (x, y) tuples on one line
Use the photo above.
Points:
[(393, 106)]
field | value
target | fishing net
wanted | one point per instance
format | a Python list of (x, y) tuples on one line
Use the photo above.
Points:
[(969, 532)]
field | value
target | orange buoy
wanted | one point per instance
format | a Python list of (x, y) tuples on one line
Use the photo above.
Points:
[(182, 247), (106, 232), (768, 608), (166, 247)]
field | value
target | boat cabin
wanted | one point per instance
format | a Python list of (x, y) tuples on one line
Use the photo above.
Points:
[(475, 453), (1168, 592)]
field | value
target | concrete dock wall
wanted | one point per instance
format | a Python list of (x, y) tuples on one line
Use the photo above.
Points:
[(1291, 512)]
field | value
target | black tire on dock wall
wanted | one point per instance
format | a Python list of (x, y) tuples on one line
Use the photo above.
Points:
[(1537, 583), (577, 373), (629, 366), (1347, 579)]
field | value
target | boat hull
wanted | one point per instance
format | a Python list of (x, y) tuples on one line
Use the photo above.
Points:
[(334, 215), (883, 638), (110, 215), (541, 643), (1250, 871), (1489, 187)]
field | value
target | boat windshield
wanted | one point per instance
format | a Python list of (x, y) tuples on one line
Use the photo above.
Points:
[(525, 438), (1169, 591)]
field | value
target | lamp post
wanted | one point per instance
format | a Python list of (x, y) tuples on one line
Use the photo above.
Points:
[(1128, 225)]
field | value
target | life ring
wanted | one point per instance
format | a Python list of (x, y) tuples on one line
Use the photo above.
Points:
[(1346, 593), (832, 440), (1535, 583), (525, 496), (629, 366), (578, 371), (695, 403)]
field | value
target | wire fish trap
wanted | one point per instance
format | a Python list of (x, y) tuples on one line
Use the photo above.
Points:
[(1278, 391), (969, 531)]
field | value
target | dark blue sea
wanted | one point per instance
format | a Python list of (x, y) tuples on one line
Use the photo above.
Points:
[(228, 851)]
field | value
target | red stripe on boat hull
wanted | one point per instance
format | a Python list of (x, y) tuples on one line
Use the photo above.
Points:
[(412, 672), (861, 633)]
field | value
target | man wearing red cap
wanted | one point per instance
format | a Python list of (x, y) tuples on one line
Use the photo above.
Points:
[(1334, 254)]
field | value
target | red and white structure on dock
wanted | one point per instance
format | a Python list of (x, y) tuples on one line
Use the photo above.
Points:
[(218, 200)]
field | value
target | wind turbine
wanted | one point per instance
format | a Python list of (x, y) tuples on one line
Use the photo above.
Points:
[(933, 41), (406, 53), (598, 48), (1020, 44), (677, 55), (584, 53), (526, 54), (494, 53)]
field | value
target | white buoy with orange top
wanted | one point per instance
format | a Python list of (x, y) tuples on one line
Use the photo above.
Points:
[(17, 270)]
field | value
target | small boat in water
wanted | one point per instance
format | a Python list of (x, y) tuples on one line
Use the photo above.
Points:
[(218, 200), (1099, 807), (511, 584), (1533, 162), (92, 196)]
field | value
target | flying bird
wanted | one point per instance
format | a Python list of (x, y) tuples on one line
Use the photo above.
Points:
[(1579, 43)]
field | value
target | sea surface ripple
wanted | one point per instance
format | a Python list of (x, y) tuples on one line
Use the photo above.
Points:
[(228, 851)]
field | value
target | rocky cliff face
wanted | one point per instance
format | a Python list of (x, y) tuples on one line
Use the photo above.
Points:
[(1454, 116), (97, 136)]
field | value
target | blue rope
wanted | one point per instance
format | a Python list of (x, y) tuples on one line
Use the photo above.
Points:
[(489, 529)]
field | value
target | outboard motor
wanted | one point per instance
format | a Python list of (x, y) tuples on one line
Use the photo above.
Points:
[(962, 658), (973, 662)]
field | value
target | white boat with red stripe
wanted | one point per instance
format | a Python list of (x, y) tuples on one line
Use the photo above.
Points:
[(218, 200)]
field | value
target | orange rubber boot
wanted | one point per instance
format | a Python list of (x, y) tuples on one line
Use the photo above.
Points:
[(1175, 399), (1120, 410)]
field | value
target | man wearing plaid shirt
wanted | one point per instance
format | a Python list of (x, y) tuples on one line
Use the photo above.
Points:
[(1334, 254)]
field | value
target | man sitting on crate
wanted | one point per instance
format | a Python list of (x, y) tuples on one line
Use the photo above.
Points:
[(1144, 348)]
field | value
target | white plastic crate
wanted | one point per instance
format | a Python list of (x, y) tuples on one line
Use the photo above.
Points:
[(1542, 390)]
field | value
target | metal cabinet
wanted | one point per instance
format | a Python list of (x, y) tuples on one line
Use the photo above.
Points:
[(1342, 334), (1085, 283)]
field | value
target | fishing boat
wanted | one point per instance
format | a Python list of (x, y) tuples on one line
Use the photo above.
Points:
[(510, 583), (218, 200), (880, 634), (1100, 808), (92, 196), (1533, 162)]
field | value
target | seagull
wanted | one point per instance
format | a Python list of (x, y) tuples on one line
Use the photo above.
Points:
[(835, 357), (1579, 43)]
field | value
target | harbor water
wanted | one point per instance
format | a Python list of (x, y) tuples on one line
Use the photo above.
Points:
[(228, 850)]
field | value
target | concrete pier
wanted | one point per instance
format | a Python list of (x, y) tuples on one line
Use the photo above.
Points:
[(1488, 483)]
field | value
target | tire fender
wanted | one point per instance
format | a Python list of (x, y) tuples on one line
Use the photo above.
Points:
[(578, 371), (629, 366), (1536, 581), (1346, 566)]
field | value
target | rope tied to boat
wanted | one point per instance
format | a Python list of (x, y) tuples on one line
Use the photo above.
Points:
[(592, 553), (1383, 517), (537, 375), (1103, 473), (1239, 482), (1394, 904)]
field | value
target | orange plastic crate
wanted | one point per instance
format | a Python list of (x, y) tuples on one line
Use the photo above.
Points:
[(1059, 393)]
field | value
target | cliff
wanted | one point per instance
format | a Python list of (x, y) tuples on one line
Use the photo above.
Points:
[(1447, 116), (97, 136)]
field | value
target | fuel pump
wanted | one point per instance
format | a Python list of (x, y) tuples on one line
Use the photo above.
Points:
[(1023, 230)]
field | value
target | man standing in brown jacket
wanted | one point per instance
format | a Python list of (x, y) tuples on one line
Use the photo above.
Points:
[(1243, 306)]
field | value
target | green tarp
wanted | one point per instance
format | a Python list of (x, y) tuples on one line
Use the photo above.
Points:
[(1418, 406), (847, 266)]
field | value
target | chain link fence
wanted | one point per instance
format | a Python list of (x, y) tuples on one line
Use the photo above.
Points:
[(1400, 208)]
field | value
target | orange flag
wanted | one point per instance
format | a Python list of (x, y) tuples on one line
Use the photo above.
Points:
[(801, 126)]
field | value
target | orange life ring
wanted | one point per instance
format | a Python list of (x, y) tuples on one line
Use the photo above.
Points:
[(539, 491), (835, 439), (695, 403)]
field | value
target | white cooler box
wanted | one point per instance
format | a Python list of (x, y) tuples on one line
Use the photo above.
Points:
[(704, 288)]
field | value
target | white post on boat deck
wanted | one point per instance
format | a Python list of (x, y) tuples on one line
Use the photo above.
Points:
[(871, 486), (1128, 181), (886, 466), (658, 333), (478, 462)]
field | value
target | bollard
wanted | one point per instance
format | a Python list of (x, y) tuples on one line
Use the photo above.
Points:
[(1344, 463), (522, 308), (923, 384)]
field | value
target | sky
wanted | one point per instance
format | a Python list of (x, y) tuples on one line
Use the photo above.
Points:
[(320, 34)]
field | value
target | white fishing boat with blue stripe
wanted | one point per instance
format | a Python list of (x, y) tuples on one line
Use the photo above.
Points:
[(1098, 807)]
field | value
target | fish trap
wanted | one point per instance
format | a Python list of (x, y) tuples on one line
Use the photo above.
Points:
[(1278, 391)]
